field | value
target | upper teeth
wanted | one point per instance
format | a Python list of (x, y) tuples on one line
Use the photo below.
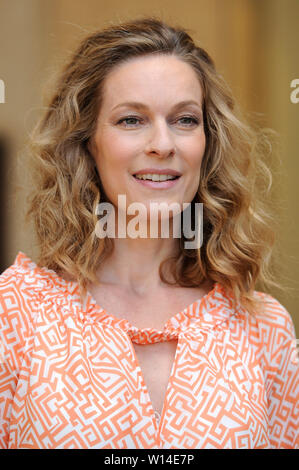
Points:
[(155, 177)]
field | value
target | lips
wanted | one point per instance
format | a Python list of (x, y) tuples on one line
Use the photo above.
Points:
[(157, 171), (174, 178), (157, 185)]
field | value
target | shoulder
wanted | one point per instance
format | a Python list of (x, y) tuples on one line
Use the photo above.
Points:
[(23, 287), (18, 297), (269, 330), (269, 318), (25, 278), (27, 288), (274, 317), (272, 331), (17, 309), (18, 282)]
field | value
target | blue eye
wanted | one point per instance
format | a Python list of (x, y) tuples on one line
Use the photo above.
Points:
[(190, 118), (129, 118)]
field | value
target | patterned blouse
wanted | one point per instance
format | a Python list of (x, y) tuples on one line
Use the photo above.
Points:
[(70, 378)]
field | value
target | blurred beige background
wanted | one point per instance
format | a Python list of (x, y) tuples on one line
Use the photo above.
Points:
[(254, 45)]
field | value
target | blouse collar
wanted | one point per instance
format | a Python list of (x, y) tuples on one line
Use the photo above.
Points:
[(214, 308)]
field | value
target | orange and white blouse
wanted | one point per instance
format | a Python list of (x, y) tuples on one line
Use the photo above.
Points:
[(69, 376)]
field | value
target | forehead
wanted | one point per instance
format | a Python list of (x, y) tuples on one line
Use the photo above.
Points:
[(152, 78)]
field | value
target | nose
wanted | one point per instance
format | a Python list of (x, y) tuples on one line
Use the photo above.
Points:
[(161, 141)]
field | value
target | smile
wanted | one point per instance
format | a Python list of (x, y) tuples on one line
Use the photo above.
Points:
[(157, 181)]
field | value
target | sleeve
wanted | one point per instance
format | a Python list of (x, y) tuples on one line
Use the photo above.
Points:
[(14, 327), (283, 393)]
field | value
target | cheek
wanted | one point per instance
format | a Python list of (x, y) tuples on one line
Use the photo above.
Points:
[(194, 149), (117, 152), (111, 163), (194, 153)]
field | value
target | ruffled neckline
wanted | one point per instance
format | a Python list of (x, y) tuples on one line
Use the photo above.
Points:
[(209, 311)]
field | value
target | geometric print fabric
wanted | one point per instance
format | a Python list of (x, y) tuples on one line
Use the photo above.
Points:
[(69, 376)]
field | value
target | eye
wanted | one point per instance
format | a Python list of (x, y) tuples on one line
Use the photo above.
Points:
[(129, 118), (132, 121), (192, 120)]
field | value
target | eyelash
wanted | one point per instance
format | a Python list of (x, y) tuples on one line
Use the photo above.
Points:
[(194, 119)]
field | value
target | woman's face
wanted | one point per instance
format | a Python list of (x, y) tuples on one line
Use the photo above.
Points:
[(163, 130)]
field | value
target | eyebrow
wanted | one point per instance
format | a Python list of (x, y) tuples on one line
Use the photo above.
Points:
[(138, 105)]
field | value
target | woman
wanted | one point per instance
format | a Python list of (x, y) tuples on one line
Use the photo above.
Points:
[(143, 342)]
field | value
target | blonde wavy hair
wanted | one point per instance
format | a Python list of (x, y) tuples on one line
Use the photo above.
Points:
[(234, 181)]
